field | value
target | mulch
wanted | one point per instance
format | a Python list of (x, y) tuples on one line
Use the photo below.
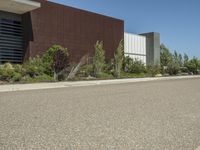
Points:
[(3, 82)]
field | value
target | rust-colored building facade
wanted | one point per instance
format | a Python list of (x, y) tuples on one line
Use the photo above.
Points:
[(78, 30)]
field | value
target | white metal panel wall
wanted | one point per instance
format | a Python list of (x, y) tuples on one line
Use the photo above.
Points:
[(137, 57), (135, 46)]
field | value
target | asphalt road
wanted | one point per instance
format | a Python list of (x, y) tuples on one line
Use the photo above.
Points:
[(158, 115)]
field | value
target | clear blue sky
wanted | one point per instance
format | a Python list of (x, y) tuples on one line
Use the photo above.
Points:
[(178, 21)]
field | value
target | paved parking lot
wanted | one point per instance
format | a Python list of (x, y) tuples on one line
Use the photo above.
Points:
[(155, 115)]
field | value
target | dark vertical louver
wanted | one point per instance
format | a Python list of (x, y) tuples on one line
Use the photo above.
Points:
[(11, 39)]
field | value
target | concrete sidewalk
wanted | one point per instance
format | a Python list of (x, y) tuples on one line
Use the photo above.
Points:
[(37, 86)]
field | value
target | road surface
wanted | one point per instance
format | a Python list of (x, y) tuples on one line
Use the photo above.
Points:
[(155, 115)]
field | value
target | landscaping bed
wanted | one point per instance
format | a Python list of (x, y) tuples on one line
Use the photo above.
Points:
[(54, 66)]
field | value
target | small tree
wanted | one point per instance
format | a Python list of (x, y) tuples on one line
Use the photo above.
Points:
[(99, 58), (118, 59), (56, 58), (193, 65), (165, 56)]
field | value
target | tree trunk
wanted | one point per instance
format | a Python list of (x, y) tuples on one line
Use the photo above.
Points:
[(55, 75)]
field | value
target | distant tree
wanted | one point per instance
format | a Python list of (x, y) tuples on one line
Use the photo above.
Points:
[(199, 64), (185, 60), (175, 55), (180, 60), (99, 58), (193, 65), (173, 67), (118, 59), (165, 56), (170, 63), (176, 59)]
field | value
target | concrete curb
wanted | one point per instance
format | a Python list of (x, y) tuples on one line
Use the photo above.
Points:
[(38, 86)]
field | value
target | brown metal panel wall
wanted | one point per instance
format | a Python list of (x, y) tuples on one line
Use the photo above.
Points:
[(75, 29)]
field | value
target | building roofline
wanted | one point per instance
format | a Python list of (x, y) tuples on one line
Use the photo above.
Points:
[(18, 6), (134, 34), (150, 33), (45, 1)]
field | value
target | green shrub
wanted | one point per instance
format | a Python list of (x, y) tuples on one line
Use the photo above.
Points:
[(104, 75), (1, 71), (18, 68), (127, 63), (86, 70), (110, 67), (61, 76), (7, 71), (173, 68), (44, 78), (16, 77), (134, 66), (193, 65), (138, 67), (34, 67), (40, 78), (153, 70), (184, 69), (10, 73), (26, 79), (54, 61)]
